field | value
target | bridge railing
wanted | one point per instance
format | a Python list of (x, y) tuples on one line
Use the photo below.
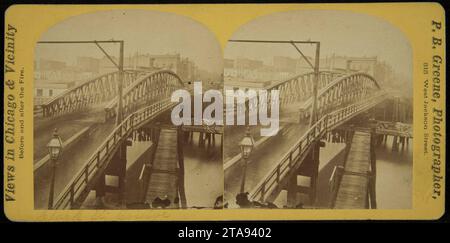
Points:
[(94, 90), (300, 87), (153, 86), (355, 85), (325, 78), (78, 188), (296, 153)]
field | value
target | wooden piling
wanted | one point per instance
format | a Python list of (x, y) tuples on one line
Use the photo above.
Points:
[(395, 143)]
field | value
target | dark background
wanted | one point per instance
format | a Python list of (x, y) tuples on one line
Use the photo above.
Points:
[(165, 232)]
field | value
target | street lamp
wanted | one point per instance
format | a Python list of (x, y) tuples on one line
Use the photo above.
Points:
[(246, 144), (54, 150)]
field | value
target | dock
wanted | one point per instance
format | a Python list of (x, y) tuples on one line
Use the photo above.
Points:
[(354, 188), (165, 170)]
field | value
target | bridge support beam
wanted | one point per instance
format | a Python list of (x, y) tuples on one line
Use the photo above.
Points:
[(180, 154), (201, 139), (373, 170), (100, 190), (395, 144), (309, 168), (117, 167)]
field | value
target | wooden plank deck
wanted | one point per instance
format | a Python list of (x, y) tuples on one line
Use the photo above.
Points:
[(353, 189), (164, 171)]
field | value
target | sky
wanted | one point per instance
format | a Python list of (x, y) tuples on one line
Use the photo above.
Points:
[(340, 32), (143, 31)]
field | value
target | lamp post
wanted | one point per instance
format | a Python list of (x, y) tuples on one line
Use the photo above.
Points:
[(54, 149), (246, 144)]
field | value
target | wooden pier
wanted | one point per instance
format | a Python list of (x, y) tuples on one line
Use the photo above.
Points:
[(401, 132), (356, 189), (166, 171)]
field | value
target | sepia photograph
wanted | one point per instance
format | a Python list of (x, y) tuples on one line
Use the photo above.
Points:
[(103, 136), (344, 87), (312, 115)]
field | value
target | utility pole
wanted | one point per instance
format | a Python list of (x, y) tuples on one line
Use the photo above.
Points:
[(313, 118), (315, 152), (120, 87)]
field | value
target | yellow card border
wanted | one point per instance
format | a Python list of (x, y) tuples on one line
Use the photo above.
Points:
[(413, 19)]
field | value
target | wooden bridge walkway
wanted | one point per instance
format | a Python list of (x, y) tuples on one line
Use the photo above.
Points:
[(164, 171), (353, 191)]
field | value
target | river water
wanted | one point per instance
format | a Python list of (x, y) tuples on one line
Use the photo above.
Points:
[(394, 175), (203, 173), (204, 177)]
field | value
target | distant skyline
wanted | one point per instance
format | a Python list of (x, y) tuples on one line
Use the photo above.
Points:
[(343, 33), (143, 31), (268, 60)]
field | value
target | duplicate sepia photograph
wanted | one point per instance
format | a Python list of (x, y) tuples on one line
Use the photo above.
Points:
[(103, 137), (344, 87), (224, 112), (139, 109)]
